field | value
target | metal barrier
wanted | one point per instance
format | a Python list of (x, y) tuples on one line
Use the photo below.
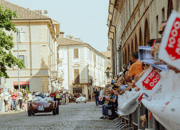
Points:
[(133, 122)]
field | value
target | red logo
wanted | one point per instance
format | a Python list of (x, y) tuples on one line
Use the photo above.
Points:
[(173, 43), (151, 80), (141, 97)]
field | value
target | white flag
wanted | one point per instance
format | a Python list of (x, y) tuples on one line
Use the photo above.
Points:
[(170, 44)]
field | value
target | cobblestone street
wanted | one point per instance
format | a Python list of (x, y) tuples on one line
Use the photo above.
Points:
[(72, 117)]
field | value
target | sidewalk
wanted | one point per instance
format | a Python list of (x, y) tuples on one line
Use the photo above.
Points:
[(11, 112)]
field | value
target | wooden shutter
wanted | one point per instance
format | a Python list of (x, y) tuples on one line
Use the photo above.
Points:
[(76, 53), (95, 58), (76, 75)]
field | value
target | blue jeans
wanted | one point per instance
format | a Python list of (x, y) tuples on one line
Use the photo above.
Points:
[(105, 109), (96, 98), (14, 103)]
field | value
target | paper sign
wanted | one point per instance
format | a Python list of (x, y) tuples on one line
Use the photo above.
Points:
[(170, 44), (145, 56), (149, 82)]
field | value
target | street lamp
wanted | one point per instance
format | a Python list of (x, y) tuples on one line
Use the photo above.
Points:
[(18, 32)]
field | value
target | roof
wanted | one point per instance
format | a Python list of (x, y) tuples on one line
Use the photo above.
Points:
[(106, 53), (69, 42), (22, 13), (65, 41), (54, 20)]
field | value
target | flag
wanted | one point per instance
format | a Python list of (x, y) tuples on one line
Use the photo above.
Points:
[(149, 82), (170, 44)]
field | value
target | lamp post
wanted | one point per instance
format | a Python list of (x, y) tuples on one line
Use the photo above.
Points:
[(18, 36), (18, 31)]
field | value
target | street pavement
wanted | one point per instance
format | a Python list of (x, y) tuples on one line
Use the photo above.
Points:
[(82, 116)]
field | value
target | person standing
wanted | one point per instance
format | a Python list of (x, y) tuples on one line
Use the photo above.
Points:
[(20, 99), (58, 97), (14, 98), (30, 97), (96, 96)]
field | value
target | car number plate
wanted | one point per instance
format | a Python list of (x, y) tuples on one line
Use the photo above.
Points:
[(41, 108), (80, 99)]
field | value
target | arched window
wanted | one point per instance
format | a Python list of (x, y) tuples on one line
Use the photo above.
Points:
[(132, 46), (140, 38), (125, 56), (129, 52), (170, 8), (147, 33), (136, 44)]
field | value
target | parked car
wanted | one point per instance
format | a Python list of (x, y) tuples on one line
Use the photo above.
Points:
[(40, 104), (81, 99)]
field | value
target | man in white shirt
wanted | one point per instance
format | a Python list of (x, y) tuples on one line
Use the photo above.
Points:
[(29, 97), (20, 99)]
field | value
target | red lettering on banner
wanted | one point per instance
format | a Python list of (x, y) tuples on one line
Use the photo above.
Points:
[(151, 80), (173, 43), (141, 97)]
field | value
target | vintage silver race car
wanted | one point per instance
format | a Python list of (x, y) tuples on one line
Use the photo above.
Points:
[(81, 99), (40, 104)]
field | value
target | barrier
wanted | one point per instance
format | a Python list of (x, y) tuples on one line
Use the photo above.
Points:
[(164, 105)]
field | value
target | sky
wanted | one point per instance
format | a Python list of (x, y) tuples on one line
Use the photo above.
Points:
[(85, 19)]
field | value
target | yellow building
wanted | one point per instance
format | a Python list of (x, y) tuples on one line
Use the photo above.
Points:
[(37, 48), (132, 23)]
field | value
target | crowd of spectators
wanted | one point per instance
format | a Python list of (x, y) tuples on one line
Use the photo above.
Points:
[(132, 72), (13, 101)]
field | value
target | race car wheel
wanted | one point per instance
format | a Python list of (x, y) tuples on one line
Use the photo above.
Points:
[(77, 102), (57, 110), (54, 111), (29, 112), (85, 102)]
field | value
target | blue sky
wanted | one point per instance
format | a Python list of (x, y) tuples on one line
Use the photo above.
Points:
[(85, 19)]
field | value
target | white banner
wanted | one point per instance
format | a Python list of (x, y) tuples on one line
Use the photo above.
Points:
[(165, 103), (149, 82), (128, 102), (170, 44)]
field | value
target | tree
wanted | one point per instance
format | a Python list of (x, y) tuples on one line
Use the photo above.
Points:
[(27, 89), (6, 43)]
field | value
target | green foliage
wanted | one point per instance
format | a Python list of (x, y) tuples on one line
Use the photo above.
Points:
[(27, 90), (6, 43)]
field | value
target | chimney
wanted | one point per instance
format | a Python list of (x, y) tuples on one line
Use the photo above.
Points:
[(46, 12), (61, 35)]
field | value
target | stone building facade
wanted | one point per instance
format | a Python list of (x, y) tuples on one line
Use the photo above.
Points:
[(132, 23), (37, 47), (80, 66)]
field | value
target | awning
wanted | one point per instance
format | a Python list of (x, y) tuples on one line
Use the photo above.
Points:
[(21, 83)]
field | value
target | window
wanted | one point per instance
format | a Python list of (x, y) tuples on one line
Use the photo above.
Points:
[(21, 57), (61, 54), (95, 58), (163, 15), (157, 26), (76, 53), (76, 76)]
